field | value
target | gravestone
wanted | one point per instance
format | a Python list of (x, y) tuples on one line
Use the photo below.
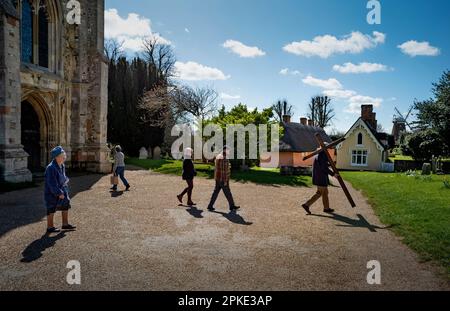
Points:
[(143, 153), (426, 169), (156, 153)]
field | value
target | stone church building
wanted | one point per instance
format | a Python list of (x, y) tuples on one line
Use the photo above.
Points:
[(53, 87)]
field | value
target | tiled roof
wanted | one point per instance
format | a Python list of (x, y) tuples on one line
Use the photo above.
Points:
[(301, 138)]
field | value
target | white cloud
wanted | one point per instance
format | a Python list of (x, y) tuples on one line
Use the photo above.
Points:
[(130, 30), (193, 71), (414, 48), (229, 97), (284, 71), (287, 71), (339, 93), (243, 50), (333, 88), (187, 30), (360, 68), (327, 45), (330, 84), (356, 101)]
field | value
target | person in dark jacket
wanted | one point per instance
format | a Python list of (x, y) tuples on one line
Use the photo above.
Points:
[(320, 179), (188, 175), (56, 190)]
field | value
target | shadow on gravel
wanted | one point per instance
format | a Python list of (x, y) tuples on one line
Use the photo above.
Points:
[(24, 207), (361, 222), (195, 212), (234, 218), (34, 251), (116, 194)]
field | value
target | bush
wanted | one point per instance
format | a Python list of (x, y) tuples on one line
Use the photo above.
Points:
[(423, 144)]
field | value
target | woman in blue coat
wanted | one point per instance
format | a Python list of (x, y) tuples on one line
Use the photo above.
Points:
[(56, 190)]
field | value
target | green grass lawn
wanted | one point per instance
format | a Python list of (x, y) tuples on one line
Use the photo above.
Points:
[(255, 174), (418, 209)]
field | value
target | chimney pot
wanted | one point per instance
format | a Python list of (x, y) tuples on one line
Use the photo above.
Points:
[(310, 122), (304, 121), (287, 119)]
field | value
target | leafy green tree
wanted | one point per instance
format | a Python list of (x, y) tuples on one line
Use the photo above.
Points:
[(423, 144), (434, 113), (240, 114)]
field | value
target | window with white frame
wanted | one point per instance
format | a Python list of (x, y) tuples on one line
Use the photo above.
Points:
[(359, 157)]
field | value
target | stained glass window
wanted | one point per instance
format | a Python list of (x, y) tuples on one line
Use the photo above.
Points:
[(27, 32), (43, 36)]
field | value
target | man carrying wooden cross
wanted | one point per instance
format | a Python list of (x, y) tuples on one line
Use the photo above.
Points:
[(321, 170), (320, 174)]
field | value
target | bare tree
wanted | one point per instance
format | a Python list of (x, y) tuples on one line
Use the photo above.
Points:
[(113, 49), (282, 108), (320, 111), (200, 103), (164, 106), (156, 109), (161, 57)]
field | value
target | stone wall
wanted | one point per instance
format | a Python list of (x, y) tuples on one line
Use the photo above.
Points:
[(13, 159), (70, 97)]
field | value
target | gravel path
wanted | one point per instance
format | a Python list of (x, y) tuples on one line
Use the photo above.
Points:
[(142, 239)]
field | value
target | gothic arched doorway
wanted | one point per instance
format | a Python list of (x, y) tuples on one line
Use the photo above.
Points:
[(31, 136)]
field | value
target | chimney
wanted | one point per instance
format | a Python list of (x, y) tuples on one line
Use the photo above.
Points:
[(304, 121), (310, 122), (287, 118), (369, 116)]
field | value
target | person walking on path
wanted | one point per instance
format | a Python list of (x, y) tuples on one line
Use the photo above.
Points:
[(222, 177), (56, 191), (188, 175), (320, 179), (119, 168)]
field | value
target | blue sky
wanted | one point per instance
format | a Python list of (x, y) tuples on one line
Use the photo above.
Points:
[(324, 46)]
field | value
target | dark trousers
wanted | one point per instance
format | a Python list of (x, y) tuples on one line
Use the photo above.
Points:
[(226, 191), (120, 171), (188, 189)]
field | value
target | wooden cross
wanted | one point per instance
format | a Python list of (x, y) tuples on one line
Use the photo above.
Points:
[(324, 147)]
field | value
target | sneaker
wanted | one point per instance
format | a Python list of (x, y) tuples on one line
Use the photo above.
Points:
[(127, 188), (234, 208), (211, 209), (191, 203), (329, 210), (306, 208)]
